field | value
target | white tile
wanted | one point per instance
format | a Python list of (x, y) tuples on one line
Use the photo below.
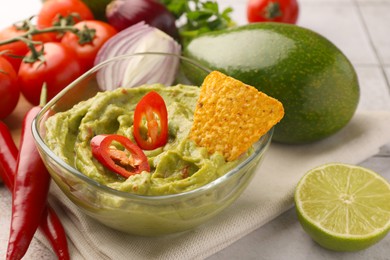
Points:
[(377, 18), (342, 25), (232, 2), (239, 10), (374, 91), (328, 2), (373, 1)]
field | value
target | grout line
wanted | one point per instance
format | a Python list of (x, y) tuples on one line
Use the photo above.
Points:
[(365, 27)]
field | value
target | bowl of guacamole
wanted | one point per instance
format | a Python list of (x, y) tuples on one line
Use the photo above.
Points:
[(184, 185)]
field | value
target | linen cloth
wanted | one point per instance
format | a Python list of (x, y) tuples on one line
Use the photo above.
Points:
[(269, 194)]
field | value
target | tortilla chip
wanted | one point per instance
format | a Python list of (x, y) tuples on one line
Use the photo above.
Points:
[(231, 116)]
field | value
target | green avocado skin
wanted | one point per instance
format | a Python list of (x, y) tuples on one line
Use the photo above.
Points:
[(314, 80)]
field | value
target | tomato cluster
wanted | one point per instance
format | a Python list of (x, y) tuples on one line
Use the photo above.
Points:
[(52, 57)]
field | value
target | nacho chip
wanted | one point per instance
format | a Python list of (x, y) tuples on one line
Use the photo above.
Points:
[(231, 116)]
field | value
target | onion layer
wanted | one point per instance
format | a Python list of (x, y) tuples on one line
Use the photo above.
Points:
[(138, 69)]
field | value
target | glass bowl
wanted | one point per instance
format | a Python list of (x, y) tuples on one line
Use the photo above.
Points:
[(127, 212)]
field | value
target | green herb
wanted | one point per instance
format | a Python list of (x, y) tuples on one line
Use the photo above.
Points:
[(196, 17)]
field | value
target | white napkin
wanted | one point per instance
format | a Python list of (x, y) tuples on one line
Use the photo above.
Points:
[(269, 194)]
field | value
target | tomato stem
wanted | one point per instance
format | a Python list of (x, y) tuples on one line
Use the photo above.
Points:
[(85, 35), (33, 31), (35, 55), (273, 10)]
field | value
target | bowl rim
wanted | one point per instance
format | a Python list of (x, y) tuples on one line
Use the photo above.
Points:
[(259, 150)]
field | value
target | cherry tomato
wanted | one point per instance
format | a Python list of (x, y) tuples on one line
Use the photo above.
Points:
[(127, 162), (15, 51), (59, 68), (52, 9), (152, 110), (9, 89), (88, 43), (285, 11)]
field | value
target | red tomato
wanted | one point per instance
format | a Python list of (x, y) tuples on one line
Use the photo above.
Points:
[(285, 11), (59, 68), (52, 9), (87, 51), (9, 89), (128, 162), (15, 51), (151, 109)]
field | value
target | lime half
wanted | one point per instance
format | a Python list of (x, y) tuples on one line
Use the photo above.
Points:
[(343, 207)]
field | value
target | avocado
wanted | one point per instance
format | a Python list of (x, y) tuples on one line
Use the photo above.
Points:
[(314, 80)]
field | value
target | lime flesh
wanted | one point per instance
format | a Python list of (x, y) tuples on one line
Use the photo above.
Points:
[(343, 207)]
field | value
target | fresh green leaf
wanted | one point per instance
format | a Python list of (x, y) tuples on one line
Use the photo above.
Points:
[(196, 17)]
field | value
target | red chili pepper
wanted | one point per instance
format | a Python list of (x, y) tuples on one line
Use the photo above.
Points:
[(31, 186), (128, 162), (152, 108), (50, 224), (52, 227), (8, 156)]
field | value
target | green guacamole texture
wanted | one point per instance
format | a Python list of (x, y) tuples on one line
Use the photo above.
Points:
[(177, 167)]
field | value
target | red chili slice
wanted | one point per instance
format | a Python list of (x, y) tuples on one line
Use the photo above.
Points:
[(128, 162), (152, 108)]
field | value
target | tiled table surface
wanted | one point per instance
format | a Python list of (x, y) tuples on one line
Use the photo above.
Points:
[(361, 29)]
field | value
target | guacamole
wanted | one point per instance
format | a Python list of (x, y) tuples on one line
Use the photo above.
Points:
[(177, 167)]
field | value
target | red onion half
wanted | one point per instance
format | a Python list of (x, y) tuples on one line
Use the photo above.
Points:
[(141, 68), (124, 13)]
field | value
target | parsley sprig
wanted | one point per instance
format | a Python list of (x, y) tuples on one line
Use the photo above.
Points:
[(196, 17)]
